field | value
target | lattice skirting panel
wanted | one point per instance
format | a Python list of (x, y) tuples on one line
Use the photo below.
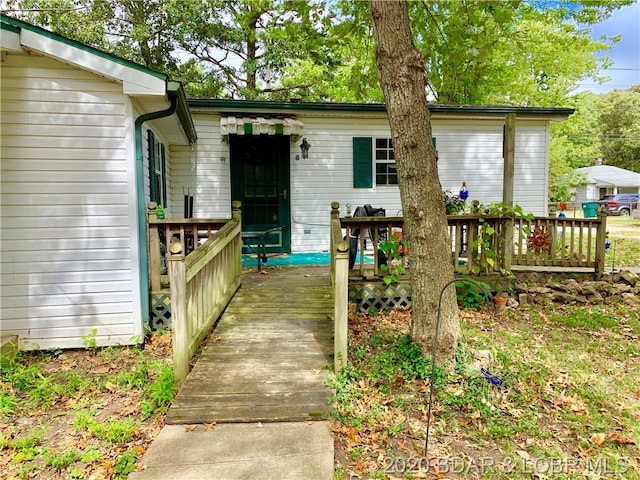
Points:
[(375, 297), (370, 297), (160, 310)]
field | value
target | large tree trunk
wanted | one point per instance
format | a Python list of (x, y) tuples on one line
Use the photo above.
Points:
[(425, 224)]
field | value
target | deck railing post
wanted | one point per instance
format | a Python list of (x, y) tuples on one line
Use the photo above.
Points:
[(334, 222), (601, 237), (179, 320), (341, 299), (236, 214), (155, 264)]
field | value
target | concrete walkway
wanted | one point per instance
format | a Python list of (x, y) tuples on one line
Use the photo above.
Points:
[(269, 451)]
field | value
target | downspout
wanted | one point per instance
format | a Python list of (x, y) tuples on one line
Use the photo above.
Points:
[(143, 262)]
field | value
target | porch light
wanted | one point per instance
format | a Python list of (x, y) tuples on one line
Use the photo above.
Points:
[(304, 148)]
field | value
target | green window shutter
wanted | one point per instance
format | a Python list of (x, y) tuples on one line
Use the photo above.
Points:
[(362, 162), (433, 141), (153, 188)]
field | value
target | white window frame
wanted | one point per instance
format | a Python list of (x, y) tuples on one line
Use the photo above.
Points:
[(384, 156)]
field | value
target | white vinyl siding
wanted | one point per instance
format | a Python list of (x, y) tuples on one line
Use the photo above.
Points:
[(203, 170), (68, 233), (470, 150)]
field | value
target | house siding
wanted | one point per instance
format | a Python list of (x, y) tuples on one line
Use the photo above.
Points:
[(67, 259), (470, 150)]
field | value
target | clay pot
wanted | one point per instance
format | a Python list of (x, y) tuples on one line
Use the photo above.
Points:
[(500, 301)]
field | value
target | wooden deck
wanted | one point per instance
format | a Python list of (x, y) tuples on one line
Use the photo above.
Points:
[(274, 351)]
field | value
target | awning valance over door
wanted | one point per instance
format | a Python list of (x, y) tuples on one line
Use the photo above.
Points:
[(259, 126)]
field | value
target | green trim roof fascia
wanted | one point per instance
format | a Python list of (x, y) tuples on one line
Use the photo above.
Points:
[(8, 27), (19, 24), (176, 89), (372, 107)]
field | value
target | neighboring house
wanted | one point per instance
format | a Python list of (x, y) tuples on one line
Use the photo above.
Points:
[(606, 180), (89, 138), (75, 134)]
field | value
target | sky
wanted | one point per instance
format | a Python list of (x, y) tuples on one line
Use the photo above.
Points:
[(625, 54)]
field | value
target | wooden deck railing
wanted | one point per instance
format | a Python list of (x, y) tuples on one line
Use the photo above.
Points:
[(339, 274), (479, 243), (191, 232), (202, 285)]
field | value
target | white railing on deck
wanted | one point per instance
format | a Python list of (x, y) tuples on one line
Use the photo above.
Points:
[(202, 284)]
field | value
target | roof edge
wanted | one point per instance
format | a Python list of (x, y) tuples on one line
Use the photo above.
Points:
[(374, 107), (19, 24), (176, 89)]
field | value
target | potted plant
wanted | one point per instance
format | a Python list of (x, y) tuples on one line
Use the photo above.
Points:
[(500, 300)]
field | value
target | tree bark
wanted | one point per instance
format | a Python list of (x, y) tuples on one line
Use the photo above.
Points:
[(403, 81)]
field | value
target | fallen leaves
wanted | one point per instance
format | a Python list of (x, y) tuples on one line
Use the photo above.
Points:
[(621, 439)]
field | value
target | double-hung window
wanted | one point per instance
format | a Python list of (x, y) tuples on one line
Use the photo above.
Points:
[(157, 170), (386, 173)]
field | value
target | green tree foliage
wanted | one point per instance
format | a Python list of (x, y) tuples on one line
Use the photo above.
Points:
[(604, 125), (619, 123), (521, 52), (217, 48)]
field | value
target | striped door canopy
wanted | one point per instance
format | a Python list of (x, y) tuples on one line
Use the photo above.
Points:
[(259, 126)]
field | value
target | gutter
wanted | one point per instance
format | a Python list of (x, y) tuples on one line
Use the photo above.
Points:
[(143, 260)]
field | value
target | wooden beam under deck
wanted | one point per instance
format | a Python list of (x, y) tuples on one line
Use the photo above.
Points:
[(273, 351)]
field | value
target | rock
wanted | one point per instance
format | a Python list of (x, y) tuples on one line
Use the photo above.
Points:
[(540, 290), (619, 288), (629, 277), (631, 300), (523, 298), (522, 288), (606, 277), (588, 288), (562, 297), (596, 297), (567, 287)]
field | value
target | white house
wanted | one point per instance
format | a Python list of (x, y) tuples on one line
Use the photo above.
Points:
[(76, 127), (605, 180), (89, 138), (251, 151)]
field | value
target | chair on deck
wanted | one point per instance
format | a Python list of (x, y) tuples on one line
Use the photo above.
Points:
[(366, 211), (259, 248)]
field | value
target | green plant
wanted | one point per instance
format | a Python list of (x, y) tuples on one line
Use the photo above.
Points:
[(89, 340), (159, 394), (471, 295), (91, 455), (393, 248), (60, 461), (489, 241), (125, 464), (114, 431)]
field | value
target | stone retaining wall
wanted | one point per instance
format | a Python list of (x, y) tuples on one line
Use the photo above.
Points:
[(623, 286)]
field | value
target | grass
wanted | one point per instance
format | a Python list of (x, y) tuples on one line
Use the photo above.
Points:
[(568, 404), (82, 413)]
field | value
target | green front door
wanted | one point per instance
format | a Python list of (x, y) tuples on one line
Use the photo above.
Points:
[(260, 180)]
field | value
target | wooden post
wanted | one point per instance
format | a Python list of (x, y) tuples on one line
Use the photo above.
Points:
[(236, 214), (236, 211), (154, 248), (507, 187), (341, 299), (601, 237), (179, 320), (335, 215)]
